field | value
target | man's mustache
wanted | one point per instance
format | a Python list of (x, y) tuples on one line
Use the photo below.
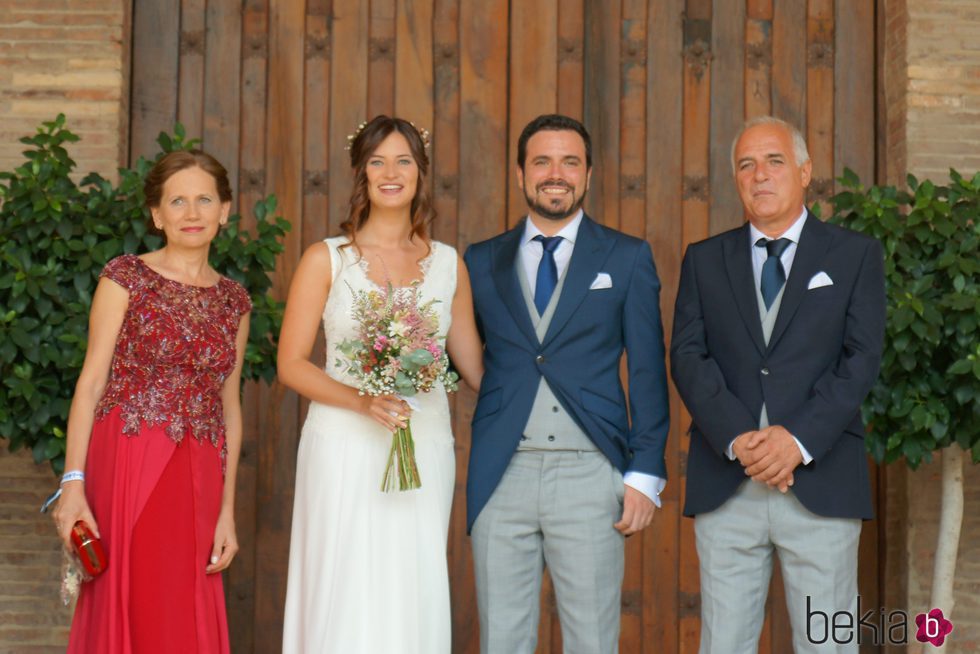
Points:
[(554, 182)]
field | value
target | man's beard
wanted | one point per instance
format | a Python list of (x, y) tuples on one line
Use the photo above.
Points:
[(547, 212)]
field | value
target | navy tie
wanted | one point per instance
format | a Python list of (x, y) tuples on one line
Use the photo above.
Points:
[(547, 279), (773, 275)]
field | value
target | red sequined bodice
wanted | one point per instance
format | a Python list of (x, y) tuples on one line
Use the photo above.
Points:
[(174, 351)]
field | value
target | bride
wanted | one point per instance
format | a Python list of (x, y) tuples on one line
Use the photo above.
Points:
[(367, 569)]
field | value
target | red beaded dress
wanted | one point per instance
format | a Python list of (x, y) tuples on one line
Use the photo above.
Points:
[(155, 469)]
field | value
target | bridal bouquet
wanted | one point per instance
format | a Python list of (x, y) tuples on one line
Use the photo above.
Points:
[(396, 352)]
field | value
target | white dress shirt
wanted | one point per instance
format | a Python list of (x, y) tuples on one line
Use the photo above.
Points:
[(759, 256), (531, 252)]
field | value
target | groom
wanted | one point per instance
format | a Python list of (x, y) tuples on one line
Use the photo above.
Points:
[(558, 299)]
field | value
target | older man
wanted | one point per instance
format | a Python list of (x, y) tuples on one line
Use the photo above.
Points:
[(777, 339)]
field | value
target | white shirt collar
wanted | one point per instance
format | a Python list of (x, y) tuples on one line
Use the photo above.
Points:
[(793, 233), (569, 232)]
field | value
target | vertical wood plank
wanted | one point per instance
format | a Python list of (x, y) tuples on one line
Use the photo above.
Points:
[(317, 140), (602, 92), (349, 91), (697, 31), (664, 178), (632, 107), (413, 62), (221, 99), (571, 44), (277, 450), (445, 121), (789, 61), (820, 101), (381, 69), (533, 79), (240, 587), (445, 182), (854, 100), (190, 85), (155, 73), (758, 58), (483, 118), (632, 208), (727, 88), (482, 147)]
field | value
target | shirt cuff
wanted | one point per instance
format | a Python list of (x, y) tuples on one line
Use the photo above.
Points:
[(649, 485), (806, 455), (730, 451)]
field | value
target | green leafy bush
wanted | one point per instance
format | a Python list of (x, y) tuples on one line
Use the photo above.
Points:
[(928, 393), (55, 237)]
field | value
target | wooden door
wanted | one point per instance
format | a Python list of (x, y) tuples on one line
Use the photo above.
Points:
[(274, 86)]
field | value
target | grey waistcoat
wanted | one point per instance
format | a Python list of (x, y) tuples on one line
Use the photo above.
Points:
[(768, 322), (549, 427)]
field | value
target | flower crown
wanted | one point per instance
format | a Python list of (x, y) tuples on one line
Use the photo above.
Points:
[(423, 134)]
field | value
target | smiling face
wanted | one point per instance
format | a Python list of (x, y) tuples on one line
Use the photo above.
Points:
[(770, 183), (554, 177), (190, 210), (392, 173)]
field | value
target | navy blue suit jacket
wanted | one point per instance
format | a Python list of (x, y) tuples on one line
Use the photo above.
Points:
[(579, 356), (821, 362)]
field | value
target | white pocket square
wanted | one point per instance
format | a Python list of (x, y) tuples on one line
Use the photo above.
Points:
[(819, 280), (602, 280)]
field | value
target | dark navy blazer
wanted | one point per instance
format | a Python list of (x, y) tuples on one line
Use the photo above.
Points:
[(579, 356), (821, 362)]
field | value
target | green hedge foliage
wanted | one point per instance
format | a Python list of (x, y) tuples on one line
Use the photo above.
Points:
[(55, 237), (928, 393)]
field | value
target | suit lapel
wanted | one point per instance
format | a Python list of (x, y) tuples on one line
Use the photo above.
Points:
[(814, 241), (505, 278), (591, 249), (738, 264)]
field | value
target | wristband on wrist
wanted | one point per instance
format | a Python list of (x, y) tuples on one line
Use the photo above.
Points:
[(72, 475)]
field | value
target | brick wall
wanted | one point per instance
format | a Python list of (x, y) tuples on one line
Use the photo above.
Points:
[(56, 56), (931, 72), (943, 125), (895, 75), (32, 618), (64, 56)]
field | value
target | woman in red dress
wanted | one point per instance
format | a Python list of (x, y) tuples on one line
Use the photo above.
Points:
[(155, 429)]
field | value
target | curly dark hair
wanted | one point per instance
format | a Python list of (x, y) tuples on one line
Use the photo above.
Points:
[(362, 147)]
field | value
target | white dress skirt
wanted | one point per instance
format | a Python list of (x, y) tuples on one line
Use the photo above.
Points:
[(367, 569)]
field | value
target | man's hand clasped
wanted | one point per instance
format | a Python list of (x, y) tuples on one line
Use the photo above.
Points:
[(769, 456)]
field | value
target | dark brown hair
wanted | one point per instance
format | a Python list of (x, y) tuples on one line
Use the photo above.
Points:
[(556, 123), (174, 162), (365, 142)]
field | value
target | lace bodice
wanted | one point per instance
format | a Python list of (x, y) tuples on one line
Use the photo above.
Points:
[(175, 349), (350, 275)]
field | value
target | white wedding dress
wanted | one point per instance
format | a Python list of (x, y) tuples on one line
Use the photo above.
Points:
[(367, 569)]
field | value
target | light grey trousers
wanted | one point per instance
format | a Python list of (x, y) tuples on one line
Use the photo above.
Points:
[(818, 557), (554, 508)]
